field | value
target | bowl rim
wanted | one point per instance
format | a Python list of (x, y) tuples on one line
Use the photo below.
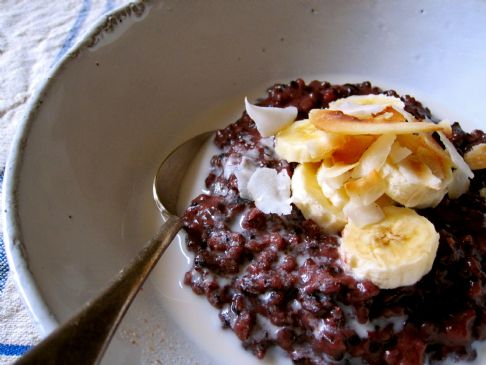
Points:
[(17, 255)]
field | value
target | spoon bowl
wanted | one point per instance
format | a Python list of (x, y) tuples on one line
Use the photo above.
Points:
[(83, 339), (171, 172)]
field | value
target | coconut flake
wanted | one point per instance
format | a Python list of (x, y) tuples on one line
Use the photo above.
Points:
[(365, 106), (335, 170), (270, 120), (335, 121), (242, 171), (399, 153), (447, 127), (337, 196), (270, 191), (459, 184), (358, 110), (460, 177), (333, 177), (366, 190), (456, 158), (362, 215), (268, 142), (419, 173), (375, 156)]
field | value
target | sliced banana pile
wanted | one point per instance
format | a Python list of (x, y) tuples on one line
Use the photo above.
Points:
[(358, 160), (371, 153)]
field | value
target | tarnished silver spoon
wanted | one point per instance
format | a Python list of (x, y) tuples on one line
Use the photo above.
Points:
[(84, 338)]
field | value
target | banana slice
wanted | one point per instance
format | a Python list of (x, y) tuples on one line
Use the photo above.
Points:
[(303, 142), (397, 251), (408, 183), (476, 157), (308, 197)]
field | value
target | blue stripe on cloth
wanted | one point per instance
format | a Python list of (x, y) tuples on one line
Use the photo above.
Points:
[(74, 31), (3, 265), (13, 350), (3, 257)]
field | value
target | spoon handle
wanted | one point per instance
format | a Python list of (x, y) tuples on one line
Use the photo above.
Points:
[(85, 337)]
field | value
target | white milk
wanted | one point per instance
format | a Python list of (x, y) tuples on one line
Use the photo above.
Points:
[(195, 316)]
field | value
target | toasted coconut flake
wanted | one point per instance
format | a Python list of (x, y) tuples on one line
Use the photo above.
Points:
[(411, 141), (331, 116), (476, 157), (389, 115), (456, 158), (429, 152), (419, 173), (375, 156), (439, 167), (385, 201), (334, 175), (337, 122), (335, 182), (352, 149), (447, 128), (362, 215), (398, 153), (331, 179), (337, 196), (430, 143), (366, 190), (335, 170)]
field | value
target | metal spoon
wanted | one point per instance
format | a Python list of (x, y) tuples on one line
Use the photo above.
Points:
[(84, 338)]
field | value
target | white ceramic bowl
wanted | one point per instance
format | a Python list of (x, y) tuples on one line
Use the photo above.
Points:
[(78, 182)]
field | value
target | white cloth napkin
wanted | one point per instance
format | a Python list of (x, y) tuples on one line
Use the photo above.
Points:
[(34, 36)]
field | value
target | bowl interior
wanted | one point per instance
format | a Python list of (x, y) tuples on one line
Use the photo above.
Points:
[(112, 112)]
